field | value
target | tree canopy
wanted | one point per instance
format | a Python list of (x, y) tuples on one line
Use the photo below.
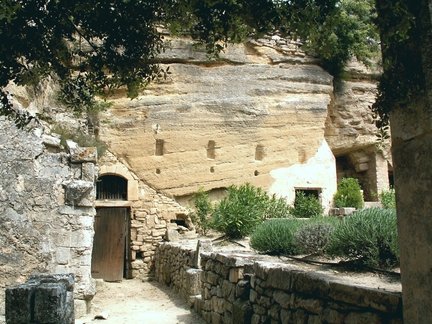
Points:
[(94, 47)]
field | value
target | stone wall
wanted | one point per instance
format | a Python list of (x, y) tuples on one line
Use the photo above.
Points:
[(151, 214), (239, 288), (46, 209)]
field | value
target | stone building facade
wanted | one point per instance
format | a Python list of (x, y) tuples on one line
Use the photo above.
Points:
[(46, 210)]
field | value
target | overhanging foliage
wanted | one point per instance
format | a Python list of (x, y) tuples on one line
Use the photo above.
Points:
[(95, 47)]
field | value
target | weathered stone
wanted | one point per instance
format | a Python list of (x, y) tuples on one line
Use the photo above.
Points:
[(255, 319), (172, 235), (78, 190), (202, 246), (235, 274), (310, 304), (50, 303), (363, 318), (285, 316), (242, 289), (283, 299), (218, 304), (332, 316), (88, 172), (81, 154), (19, 303), (216, 318), (274, 312), (242, 312), (260, 310), (192, 282), (212, 278)]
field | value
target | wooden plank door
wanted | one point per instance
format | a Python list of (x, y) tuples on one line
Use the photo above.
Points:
[(109, 244)]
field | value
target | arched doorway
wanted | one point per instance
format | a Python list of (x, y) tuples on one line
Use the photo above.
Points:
[(111, 224)]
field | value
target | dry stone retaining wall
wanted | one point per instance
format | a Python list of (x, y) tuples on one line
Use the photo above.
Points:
[(236, 288)]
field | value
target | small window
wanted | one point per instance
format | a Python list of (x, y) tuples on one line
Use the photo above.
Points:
[(310, 192), (111, 187), (211, 147), (259, 152), (159, 151)]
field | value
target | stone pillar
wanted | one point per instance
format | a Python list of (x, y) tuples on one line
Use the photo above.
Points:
[(44, 299)]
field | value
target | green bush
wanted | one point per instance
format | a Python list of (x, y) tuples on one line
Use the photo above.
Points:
[(277, 208), (349, 194), (306, 206), (82, 139), (314, 236), (240, 211), (244, 208), (201, 216), (276, 236), (388, 199), (368, 237)]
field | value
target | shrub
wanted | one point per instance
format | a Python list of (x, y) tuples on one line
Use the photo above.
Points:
[(276, 236), (82, 139), (277, 208), (306, 206), (201, 217), (349, 194), (368, 236), (315, 235), (240, 211), (388, 199)]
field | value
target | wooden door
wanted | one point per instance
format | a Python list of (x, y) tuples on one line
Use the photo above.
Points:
[(109, 244)]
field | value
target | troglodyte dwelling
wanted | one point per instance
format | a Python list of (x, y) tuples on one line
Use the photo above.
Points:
[(265, 113)]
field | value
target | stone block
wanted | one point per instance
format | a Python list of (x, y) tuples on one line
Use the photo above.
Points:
[(50, 303), (235, 274), (242, 312), (346, 210), (132, 190), (172, 235), (88, 172), (77, 191), (311, 283), (310, 304), (299, 316), (260, 310), (80, 308), (242, 289), (218, 305), (363, 318), (212, 278), (216, 318), (255, 319), (46, 299), (274, 312), (332, 316), (81, 154), (283, 299), (286, 316), (198, 304), (192, 281), (281, 277), (19, 300)]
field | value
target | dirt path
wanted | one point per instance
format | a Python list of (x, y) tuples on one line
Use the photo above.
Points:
[(135, 302)]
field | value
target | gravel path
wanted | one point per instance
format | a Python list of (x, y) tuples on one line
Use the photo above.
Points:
[(136, 301)]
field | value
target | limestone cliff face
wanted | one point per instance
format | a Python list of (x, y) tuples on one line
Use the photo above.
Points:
[(264, 106), (228, 122), (350, 124)]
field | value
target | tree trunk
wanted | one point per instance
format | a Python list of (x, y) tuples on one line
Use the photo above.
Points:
[(411, 127)]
